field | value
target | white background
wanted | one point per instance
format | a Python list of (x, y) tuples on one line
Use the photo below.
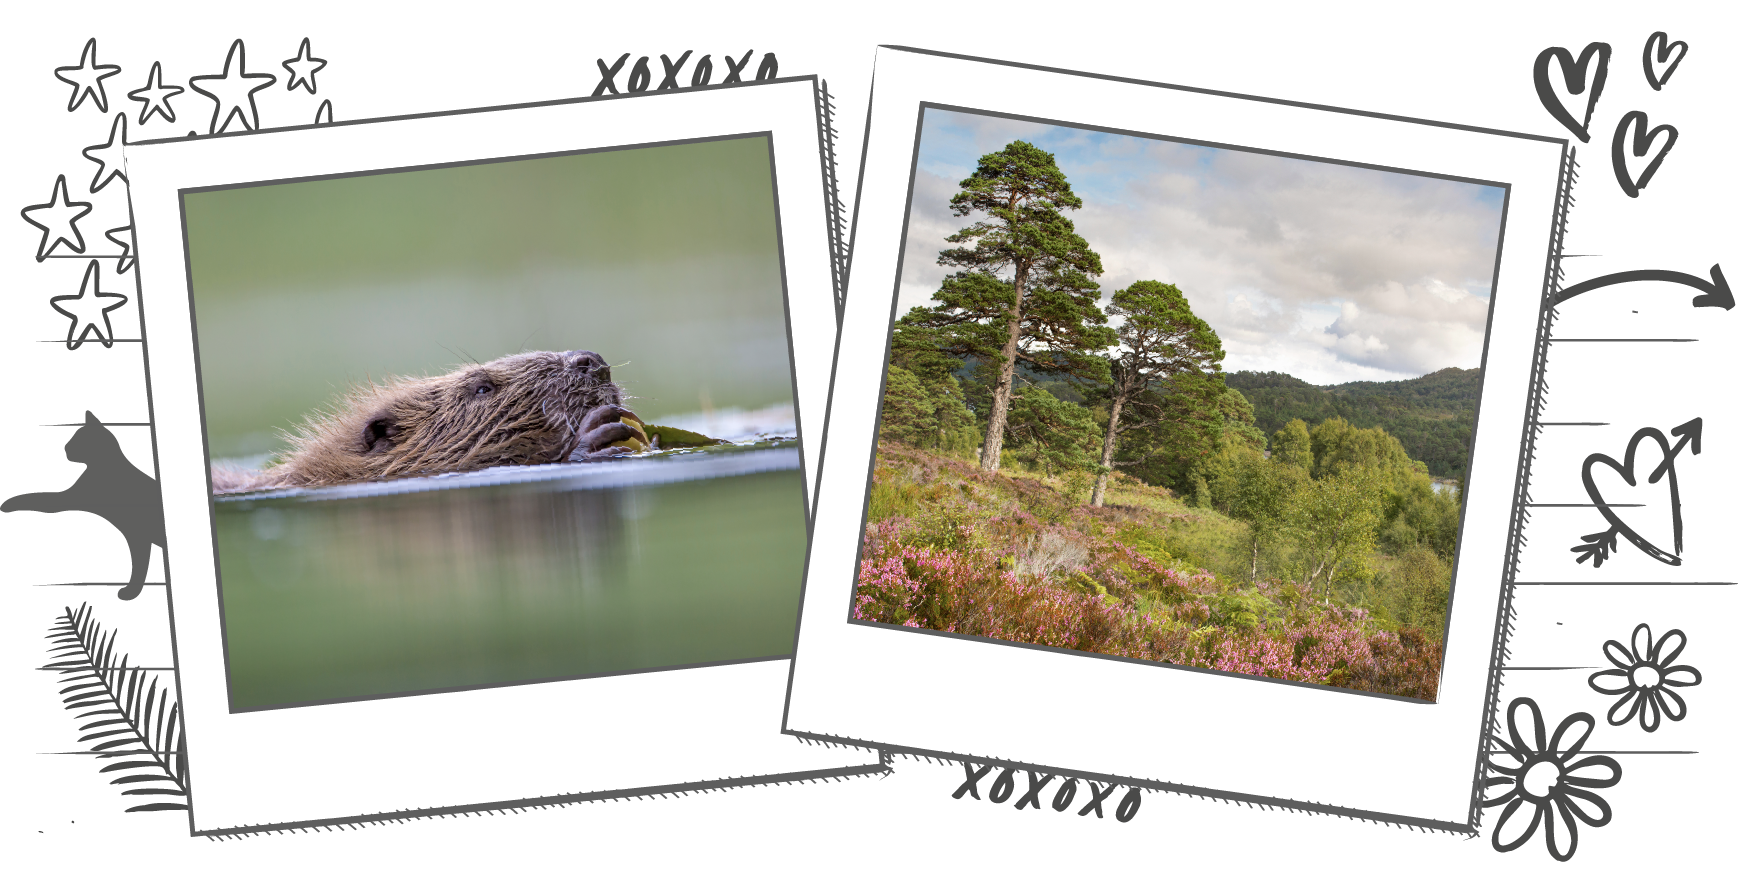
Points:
[(1466, 62)]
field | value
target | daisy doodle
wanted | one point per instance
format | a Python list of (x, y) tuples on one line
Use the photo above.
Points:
[(1643, 678), (1548, 784)]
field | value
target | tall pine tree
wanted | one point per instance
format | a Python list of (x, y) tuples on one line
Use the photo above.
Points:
[(1025, 292)]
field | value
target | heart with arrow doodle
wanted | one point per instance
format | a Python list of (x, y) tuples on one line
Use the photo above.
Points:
[(1649, 460)]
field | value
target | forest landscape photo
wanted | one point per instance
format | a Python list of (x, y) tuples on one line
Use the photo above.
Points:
[(1180, 404)]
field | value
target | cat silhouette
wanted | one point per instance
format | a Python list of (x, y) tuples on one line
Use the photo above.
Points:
[(111, 488)]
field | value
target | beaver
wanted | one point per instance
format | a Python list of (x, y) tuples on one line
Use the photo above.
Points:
[(526, 409)]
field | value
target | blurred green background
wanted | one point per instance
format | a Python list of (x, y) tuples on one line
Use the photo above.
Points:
[(663, 259)]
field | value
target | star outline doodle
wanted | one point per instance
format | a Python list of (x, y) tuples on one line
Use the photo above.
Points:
[(156, 96), (87, 78), (60, 229), (233, 90), (78, 308)]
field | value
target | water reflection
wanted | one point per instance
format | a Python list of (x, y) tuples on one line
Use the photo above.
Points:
[(455, 586)]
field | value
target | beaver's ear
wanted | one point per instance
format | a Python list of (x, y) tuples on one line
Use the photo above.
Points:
[(380, 434)]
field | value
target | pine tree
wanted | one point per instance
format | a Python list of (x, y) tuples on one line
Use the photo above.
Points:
[(1160, 340), (1024, 293)]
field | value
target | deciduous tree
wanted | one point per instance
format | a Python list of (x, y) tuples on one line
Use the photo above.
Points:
[(1257, 492), (1291, 445), (1335, 519)]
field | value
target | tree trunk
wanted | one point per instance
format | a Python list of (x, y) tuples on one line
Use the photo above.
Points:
[(1254, 556), (1109, 450), (991, 459)]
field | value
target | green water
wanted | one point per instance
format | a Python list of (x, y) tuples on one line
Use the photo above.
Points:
[(424, 591)]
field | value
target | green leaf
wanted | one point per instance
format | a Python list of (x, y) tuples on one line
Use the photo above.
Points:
[(670, 437)]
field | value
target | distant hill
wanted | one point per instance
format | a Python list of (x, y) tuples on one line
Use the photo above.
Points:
[(1431, 415)]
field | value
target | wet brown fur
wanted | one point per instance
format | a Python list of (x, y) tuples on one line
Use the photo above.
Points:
[(517, 410)]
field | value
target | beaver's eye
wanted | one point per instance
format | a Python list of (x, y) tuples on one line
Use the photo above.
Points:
[(485, 389)]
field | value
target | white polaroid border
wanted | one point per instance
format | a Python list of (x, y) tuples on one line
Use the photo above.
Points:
[(1142, 724), (525, 744)]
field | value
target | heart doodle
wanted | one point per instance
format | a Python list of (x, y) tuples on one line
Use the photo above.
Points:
[(1658, 51), (1599, 546), (1575, 72), (1642, 142)]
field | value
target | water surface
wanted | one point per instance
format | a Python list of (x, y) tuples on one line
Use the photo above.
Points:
[(543, 573)]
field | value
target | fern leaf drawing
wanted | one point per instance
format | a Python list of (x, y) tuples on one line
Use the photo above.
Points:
[(124, 716)]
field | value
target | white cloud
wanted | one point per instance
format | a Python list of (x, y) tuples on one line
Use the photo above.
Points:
[(1328, 272)]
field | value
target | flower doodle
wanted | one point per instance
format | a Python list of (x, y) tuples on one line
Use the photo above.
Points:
[(1546, 782), (1644, 678)]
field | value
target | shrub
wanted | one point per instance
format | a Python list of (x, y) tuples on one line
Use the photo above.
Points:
[(889, 499), (1007, 556)]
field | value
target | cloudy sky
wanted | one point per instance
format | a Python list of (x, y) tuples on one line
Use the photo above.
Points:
[(1329, 273)]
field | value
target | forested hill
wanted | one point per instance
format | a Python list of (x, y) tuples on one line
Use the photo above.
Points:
[(1432, 415)]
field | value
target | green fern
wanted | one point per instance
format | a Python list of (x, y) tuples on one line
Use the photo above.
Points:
[(133, 722)]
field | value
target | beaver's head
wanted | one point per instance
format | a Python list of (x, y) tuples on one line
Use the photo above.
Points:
[(516, 410)]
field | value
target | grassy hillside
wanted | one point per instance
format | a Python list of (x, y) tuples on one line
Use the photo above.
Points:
[(1431, 415), (1017, 557)]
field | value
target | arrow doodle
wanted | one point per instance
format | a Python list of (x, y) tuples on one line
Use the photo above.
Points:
[(1715, 293), (1600, 545)]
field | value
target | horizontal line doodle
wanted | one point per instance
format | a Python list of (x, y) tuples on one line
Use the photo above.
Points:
[(1586, 505), (111, 341), (1572, 423), (1604, 751), (77, 424), (55, 584), (116, 753), (51, 668), (1628, 340), (1549, 668), (1626, 583)]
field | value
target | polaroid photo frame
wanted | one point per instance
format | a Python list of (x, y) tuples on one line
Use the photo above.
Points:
[(544, 741), (1137, 723)]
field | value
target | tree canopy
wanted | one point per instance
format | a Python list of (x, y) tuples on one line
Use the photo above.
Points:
[(1431, 415), (1050, 434)]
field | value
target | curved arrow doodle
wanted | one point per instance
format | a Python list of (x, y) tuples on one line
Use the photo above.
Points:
[(1715, 293)]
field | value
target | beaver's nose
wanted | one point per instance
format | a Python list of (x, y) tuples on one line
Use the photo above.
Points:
[(587, 362)]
